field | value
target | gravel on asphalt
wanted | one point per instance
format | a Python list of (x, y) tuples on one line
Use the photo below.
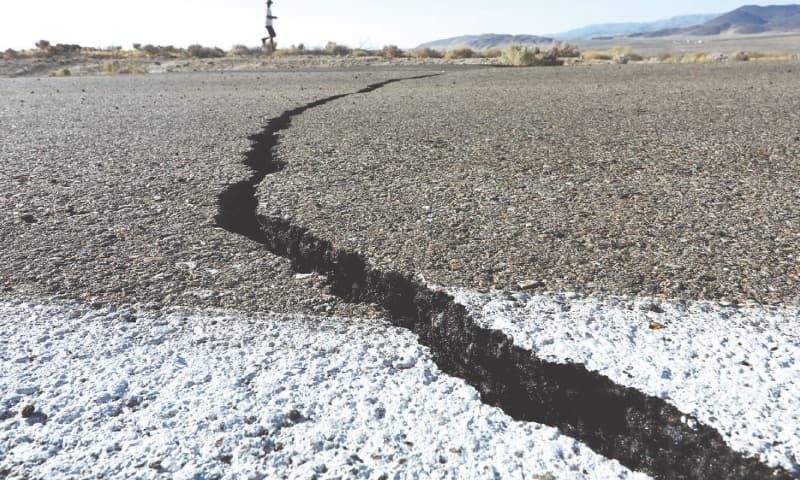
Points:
[(108, 188), (677, 181)]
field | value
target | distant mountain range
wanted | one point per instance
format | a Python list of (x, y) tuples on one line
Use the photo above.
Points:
[(624, 29), (745, 20), (485, 41)]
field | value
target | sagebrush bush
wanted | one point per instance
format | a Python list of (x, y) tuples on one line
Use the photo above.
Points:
[(740, 57), (161, 50), (199, 51), (332, 48), (522, 56), (770, 57), (620, 51), (241, 51), (694, 58), (598, 56), (462, 52), (427, 53), (64, 72), (492, 53), (564, 50), (292, 51), (391, 51), (116, 68)]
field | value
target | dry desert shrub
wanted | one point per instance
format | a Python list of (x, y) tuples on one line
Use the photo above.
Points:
[(619, 55), (620, 51), (332, 48), (116, 68), (740, 57), (522, 56), (690, 58), (694, 58), (427, 53), (292, 51), (161, 50), (362, 53), (564, 50), (64, 72), (199, 51), (492, 53), (604, 56), (462, 52), (392, 51), (770, 57), (243, 51)]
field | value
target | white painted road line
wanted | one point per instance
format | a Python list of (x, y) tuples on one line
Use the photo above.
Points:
[(218, 394), (735, 369)]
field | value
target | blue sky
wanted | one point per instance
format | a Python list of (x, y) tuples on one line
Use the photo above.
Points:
[(368, 23)]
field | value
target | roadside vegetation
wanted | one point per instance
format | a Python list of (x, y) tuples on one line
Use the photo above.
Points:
[(115, 67), (115, 60), (64, 72), (464, 52)]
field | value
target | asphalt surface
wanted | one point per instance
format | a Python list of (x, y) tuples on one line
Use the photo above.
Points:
[(109, 188), (676, 181)]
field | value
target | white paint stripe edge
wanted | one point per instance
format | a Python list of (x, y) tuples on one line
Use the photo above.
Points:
[(211, 384), (735, 369)]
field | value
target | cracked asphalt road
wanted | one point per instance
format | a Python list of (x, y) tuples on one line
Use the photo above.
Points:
[(109, 188), (676, 181), (669, 180)]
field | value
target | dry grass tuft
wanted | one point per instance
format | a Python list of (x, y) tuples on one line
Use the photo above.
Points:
[(427, 53), (492, 53), (332, 48), (243, 51), (603, 56), (616, 54), (770, 57), (463, 52), (392, 51), (116, 68), (199, 51), (64, 72), (564, 50)]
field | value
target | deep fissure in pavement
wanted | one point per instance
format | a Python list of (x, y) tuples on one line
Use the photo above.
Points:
[(642, 432)]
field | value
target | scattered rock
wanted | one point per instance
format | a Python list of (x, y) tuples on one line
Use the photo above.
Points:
[(28, 411), (28, 218), (294, 416)]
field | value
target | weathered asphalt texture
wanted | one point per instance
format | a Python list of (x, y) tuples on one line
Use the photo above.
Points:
[(108, 188), (678, 181)]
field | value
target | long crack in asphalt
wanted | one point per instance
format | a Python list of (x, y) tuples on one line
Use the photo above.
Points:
[(642, 432)]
